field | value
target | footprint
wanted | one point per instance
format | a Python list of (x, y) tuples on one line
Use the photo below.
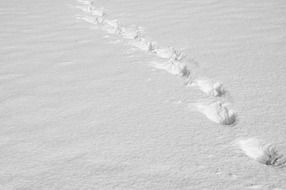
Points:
[(112, 26), (263, 153), (92, 20), (208, 87), (217, 112), (130, 32), (143, 44), (173, 67), (168, 53)]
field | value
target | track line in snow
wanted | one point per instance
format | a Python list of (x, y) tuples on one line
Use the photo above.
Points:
[(134, 35), (168, 59), (174, 62)]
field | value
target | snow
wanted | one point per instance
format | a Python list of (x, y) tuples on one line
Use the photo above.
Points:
[(265, 154), (217, 112), (209, 87), (142, 95)]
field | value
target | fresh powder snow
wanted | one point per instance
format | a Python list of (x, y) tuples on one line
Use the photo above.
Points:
[(142, 95)]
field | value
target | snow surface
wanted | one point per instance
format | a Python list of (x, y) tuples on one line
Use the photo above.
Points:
[(86, 102)]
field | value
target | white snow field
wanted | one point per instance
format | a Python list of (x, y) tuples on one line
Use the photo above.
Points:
[(142, 95)]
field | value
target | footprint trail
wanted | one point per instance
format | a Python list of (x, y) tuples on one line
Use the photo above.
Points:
[(168, 59), (174, 62)]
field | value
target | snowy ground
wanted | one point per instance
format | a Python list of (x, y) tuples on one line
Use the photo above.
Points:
[(88, 103)]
